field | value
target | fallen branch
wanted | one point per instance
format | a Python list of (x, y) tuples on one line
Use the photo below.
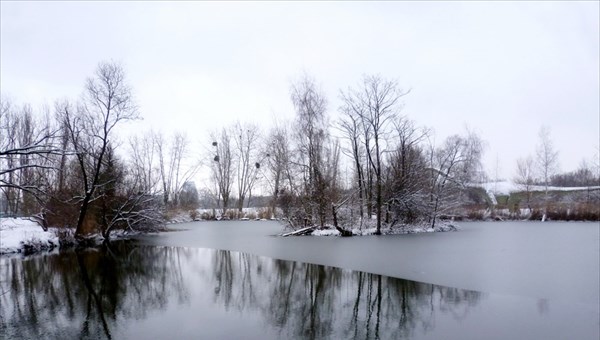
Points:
[(303, 231)]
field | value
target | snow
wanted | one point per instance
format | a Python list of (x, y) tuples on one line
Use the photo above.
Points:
[(16, 234), (326, 232), (506, 187), (404, 229)]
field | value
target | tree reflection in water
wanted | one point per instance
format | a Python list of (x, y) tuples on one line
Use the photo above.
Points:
[(82, 294), (314, 301), (92, 294)]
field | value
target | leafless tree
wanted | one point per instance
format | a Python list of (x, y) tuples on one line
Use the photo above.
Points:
[(279, 151), (172, 170), (120, 203), (406, 180), (452, 167), (143, 151), (377, 102), (107, 101), (546, 157), (525, 175), (27, 148), (311, 135), (249, 156), (351, 126), (222, 166)]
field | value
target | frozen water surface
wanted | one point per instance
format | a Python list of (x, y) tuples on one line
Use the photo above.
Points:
[(551, 260), (490, 280)]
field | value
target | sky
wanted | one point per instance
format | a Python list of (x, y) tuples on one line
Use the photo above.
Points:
[(502, 69)]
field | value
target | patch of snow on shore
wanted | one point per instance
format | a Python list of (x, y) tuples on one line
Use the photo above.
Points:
[(326, 232), (17, 234)]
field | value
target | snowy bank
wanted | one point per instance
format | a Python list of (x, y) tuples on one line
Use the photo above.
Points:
[(508, 187), (397, 230), (23, 235)]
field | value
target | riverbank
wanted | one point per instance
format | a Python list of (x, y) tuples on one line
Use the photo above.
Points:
[(26, 236), (22, 235)]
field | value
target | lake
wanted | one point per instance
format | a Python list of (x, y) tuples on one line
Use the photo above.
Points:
[(216, 280)]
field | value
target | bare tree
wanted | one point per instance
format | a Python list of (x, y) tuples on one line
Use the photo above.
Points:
[(279, 152), (143, 161), (406, 182), (311, 135), (246, 139), (525, 175), (351, 126), (222, 166), (452, 167), (546, 157), (27, 148), (107, 102), (377, 102), (173, 173)]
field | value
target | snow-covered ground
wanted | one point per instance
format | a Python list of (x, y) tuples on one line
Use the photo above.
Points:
[(506, 187), (406, 229), (16, 234)]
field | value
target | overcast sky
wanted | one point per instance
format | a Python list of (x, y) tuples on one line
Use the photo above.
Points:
[(501, 68)]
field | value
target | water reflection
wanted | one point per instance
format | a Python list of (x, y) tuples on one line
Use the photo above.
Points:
[(313, 301), (108, 292)]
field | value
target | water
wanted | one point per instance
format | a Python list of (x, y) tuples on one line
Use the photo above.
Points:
[(156, 288), (551, 260)]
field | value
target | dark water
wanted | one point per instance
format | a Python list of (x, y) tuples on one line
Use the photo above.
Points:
[(132, 291)]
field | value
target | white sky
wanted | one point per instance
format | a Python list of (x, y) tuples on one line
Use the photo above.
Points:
[(502, 68)]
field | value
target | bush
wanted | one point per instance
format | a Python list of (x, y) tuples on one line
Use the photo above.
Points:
[(536, 215), (207, 216), (265, 213), (475, 215)]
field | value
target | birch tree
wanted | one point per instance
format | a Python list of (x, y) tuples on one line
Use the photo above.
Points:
[(546, 157)]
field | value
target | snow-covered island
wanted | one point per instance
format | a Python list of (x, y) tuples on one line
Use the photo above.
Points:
[(404, 229)]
